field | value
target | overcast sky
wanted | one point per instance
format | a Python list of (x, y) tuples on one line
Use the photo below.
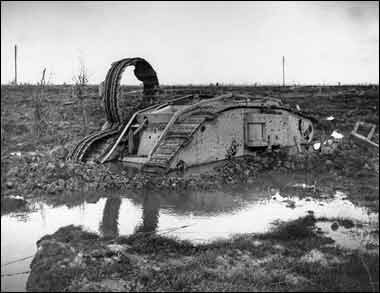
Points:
[(199, 43)]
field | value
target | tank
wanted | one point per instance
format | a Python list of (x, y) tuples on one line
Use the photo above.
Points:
[(190, 130)]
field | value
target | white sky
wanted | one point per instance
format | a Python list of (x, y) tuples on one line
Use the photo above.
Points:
[(194, 42)]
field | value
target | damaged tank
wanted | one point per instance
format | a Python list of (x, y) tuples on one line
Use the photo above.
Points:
[(191, 130)]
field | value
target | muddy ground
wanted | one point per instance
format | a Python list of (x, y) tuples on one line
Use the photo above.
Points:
[(293, 257), (35, 166)]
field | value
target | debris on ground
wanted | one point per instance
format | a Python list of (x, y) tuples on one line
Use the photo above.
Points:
[(31, 169), (361, 138), (336, 135)]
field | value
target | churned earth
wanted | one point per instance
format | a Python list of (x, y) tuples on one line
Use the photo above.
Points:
[(32, 167), (291, 256)]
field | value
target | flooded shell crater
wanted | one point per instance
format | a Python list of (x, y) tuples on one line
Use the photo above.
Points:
[(200, 217)]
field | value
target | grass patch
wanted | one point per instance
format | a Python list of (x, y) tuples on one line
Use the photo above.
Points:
[(300, 228), (359, 272), (151, 243)]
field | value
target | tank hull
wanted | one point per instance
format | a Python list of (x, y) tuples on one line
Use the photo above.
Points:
[(190, 130), (188, 136)]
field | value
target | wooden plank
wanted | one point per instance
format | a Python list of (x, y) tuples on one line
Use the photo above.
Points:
[(371, 133), (172, 142), (192, 120), (169, 148), (177, 136), (184, 127), (162, 156), (179, 129), (166, 151), (161, 161), (364, 139)]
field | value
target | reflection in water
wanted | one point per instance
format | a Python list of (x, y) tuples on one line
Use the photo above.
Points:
[(43, 213), (109, 224), (203, 203), (150, 214), (206, 216)]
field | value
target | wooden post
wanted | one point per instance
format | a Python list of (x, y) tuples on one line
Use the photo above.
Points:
[(37, 108), (43, 77), (15, 64), (283, 70)]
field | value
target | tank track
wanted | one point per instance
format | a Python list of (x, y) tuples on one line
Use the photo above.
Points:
[(143, 72)]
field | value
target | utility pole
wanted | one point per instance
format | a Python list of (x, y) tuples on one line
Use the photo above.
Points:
[(283, 70), (15, 64)]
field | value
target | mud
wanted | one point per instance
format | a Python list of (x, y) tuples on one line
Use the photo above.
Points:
[(271, 207), (323, 252), (155, 263), (23, 156)]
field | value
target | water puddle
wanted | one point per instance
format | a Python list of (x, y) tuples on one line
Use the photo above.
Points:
[(196, 216), (363, 237)]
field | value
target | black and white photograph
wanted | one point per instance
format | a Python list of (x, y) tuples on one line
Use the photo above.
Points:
[(207, 146)]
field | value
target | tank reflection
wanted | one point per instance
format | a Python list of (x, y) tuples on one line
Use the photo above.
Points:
[(150, 213), (110, 220), (109, 226), (148, 206)]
